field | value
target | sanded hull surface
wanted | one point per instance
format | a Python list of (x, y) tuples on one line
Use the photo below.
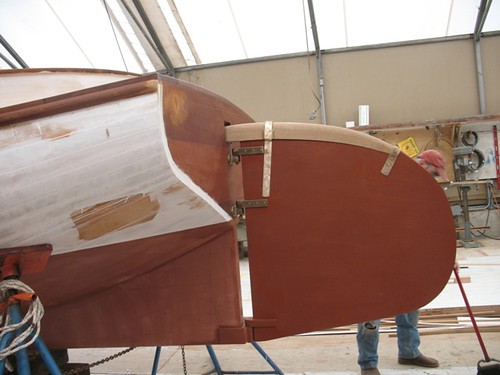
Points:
[(20, 86), (129, 183)]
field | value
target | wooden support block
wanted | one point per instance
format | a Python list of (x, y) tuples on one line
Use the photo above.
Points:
[(464, 279)]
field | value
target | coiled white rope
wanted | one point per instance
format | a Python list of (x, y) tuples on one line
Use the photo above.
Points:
[(31, 323)]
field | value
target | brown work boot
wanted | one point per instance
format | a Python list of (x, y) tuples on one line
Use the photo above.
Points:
[(370, 371), (421, 361)]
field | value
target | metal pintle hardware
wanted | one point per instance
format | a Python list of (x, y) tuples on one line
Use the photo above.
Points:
[(234, 156)]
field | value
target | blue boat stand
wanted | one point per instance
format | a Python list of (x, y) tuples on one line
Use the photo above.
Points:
[(23, 366), (10, 269), (217, 368)]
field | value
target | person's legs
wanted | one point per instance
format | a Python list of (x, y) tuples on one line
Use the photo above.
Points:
[(408, 336), (367, 338), (409, 341)]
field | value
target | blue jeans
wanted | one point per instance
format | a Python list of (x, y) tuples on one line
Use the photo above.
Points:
[(368, 338)]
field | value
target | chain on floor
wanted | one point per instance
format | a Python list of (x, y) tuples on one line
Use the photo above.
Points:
[(184, 360), (100, 362)]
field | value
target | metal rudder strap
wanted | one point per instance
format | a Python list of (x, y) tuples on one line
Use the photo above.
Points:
[(268, 148), (391, 160)]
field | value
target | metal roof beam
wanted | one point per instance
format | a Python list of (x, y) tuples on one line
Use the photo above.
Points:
[(185, 33), (160, 60), (481, 17), (142, 36), (13, 53), (154, 39), (118, 27), (319, 62), (7, 61)]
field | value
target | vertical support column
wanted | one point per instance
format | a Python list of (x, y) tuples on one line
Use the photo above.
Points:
[(480, 79), (319, 61)]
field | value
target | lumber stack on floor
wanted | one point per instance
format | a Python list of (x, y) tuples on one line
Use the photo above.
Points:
[(457, 320), (437, 321)]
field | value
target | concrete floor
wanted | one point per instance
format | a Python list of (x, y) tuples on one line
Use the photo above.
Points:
[(332, 353), (458, 354)]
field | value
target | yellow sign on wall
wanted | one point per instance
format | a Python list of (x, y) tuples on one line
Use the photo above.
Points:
[(409, 147)]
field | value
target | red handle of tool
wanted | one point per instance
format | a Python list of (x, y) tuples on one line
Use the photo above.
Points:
[(473, 320)]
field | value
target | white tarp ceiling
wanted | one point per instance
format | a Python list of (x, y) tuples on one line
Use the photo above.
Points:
[(147, 35)]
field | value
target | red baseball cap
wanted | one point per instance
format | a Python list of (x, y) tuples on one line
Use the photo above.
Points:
[(435, 158)]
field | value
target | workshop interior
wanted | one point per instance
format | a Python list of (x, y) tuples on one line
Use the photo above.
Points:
[(235, 186)]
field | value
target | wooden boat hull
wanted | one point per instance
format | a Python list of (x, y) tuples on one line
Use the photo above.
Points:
[(130, 183), (27, 85)]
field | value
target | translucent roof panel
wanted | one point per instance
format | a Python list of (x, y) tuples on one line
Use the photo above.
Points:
[(493, 20), (113, 34), (223, 30), (240, 29), (62, 33), (366, 22)]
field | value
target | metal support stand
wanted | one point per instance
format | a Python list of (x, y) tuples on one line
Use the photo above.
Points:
[(156, 360), (31, 259), (219, 371), (216, 363)]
